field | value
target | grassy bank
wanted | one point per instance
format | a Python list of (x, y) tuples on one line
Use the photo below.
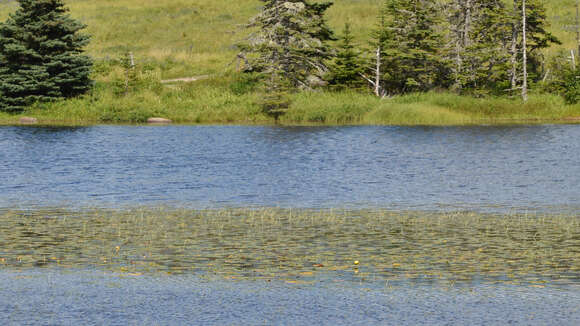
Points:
[(298, 245), (175, 38), (233, 99)]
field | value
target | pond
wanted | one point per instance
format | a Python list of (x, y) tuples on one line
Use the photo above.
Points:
[(426, 168), (219, 225)]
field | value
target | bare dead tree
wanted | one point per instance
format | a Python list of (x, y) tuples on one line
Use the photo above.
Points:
[(514, 51), (524, 54)]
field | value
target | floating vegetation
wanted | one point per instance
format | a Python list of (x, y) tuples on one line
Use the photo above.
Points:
[(299, 246)]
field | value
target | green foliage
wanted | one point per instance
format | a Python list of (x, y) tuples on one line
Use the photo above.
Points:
[(41, 55), (290, 39), (289, 48), (477, 54), (275, 100), (538, 36), (347, 66), (563, 78), (483, 54), (572, 86), (412, 42), (172, 38)]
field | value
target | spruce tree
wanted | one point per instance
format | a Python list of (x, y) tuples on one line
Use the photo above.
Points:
[(290, 36), (538, 36), (381, 48), (537, 39), (346, 68), (41, 55), (412, 60), (478, 44)]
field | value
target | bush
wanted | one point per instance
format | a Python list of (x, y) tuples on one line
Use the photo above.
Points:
[(572, 87)]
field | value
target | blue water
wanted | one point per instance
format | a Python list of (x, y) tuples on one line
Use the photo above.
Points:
[(527, 167), (91, 298), (433, 168)]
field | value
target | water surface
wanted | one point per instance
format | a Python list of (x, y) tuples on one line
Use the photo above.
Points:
[(87, 298), (529, 167), (43, 257)]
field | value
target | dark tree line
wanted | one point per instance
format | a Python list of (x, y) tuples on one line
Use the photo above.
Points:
[(472, 47), (467, 46)]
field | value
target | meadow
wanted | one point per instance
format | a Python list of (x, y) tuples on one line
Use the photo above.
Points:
[(176, 38)]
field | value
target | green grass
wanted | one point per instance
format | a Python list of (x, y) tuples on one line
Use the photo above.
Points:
[(298, 245), (178, 38), (182, 37), (188, 38), (229, 100)]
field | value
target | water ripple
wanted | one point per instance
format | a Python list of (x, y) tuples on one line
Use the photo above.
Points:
[(529, 167)]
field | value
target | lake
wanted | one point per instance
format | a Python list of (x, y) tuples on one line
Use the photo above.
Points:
[(114, 262), (426, 168)]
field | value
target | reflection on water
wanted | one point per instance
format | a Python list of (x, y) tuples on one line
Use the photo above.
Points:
[(529, 167)]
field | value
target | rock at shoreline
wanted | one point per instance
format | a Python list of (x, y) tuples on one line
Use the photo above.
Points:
[(158, 121), (572, 118), (28, 120)]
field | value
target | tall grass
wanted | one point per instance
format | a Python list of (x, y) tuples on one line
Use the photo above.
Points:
[(231, 99)]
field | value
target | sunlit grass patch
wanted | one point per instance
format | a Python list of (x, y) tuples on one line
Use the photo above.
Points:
[(305, 245)]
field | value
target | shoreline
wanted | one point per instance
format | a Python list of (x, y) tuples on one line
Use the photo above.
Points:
[(482, 123), (206, 104), (42, 122)]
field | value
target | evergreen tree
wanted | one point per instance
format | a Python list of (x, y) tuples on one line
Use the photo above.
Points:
[(537, 39), (571, 86), (381, 46), (41, 55), (346, 68), (290, 37), (478, 48), (485, 43), (411, 59), (275, 101)]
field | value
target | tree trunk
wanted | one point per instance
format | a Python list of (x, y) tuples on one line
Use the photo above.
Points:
[(378, 74), (458, 64), (524, 53), (578, 26), (513, 50), (467, 24), (466, 31), (463, 7)]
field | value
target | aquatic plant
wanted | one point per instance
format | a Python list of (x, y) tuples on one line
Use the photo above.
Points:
[(299, 245)]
